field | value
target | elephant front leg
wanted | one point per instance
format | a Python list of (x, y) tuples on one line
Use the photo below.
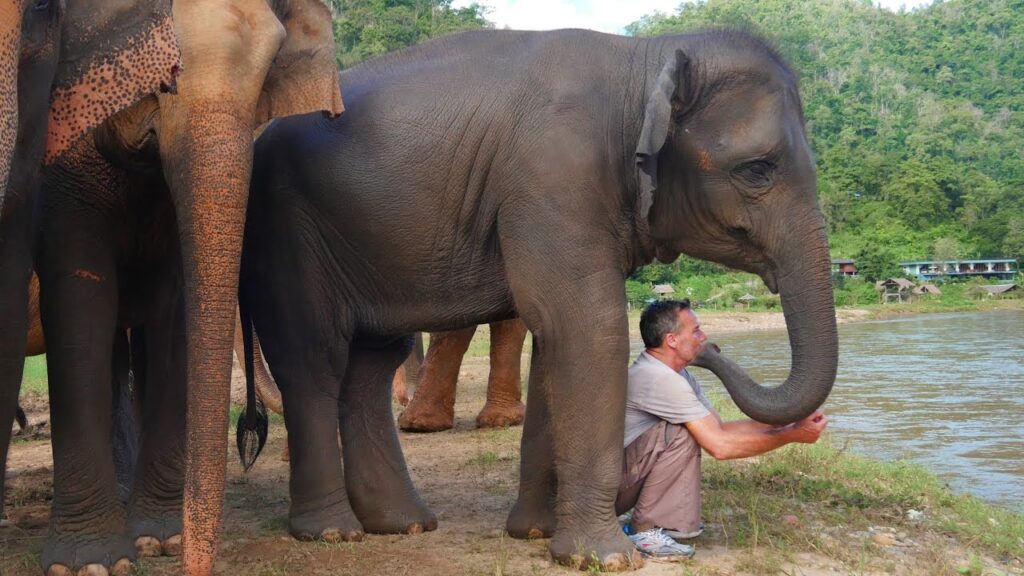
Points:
[(79, 310), (574, 303), (15, 268), (433, 406), (504, 384), (376, 476), (154, 511)]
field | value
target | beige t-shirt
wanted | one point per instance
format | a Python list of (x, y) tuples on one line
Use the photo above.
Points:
[(655, 392)]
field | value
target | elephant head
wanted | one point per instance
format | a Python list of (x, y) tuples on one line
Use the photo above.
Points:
[(726, 174)]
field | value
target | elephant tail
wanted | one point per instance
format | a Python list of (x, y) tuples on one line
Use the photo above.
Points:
[(21, 419), (251, 429)]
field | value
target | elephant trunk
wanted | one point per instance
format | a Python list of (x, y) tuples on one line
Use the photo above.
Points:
[(208, 168), (807, 301)]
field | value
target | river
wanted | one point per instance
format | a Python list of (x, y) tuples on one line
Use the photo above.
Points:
[(942, 390)]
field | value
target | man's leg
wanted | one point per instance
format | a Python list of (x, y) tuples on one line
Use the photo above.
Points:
[(670, 496)]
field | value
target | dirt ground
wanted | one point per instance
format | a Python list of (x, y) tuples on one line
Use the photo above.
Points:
[(467, 476)]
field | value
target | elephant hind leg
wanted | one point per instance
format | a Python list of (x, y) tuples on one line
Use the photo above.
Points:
[(433, 406), (504, 384), (376, 476), (310, 385)]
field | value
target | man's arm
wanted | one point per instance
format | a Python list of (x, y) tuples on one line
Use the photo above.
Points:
[(729, 440)]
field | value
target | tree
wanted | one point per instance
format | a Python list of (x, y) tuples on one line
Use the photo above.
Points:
[(367, 28)]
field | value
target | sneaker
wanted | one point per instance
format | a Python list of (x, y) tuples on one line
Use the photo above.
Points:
[(677, 535), (657, 545)]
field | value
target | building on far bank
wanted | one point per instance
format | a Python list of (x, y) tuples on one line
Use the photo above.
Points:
[(1000, 268), (844, 267)]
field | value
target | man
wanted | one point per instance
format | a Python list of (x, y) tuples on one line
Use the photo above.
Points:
[(668, 422)]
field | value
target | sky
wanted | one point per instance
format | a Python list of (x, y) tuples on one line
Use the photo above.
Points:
[(603, 15)]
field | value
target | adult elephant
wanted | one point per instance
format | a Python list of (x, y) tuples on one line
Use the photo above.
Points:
[(567, 159), (48, 52), (432, 408), (242, 63)]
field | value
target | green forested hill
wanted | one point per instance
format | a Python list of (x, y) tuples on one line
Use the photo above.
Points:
[(916, 119)]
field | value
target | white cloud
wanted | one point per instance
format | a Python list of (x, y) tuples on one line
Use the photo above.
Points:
[(603, 15)]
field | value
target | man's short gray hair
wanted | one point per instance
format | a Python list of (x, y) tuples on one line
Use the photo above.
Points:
[(660, 318)]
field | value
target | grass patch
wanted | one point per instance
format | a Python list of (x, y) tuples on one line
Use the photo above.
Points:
[(823, 490), (34, 380), (485, 459)]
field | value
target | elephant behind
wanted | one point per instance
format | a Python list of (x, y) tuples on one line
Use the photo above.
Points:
[(497, 173)]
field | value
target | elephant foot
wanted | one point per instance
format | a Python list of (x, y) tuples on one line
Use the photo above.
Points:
[(410, 516), (97, 555), (148, 546), (501, 416), (156, 533), (426, 418), (606, 549), (530, 522), (122, 567), (335, 523)]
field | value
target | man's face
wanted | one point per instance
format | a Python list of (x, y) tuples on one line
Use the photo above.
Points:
[(687, 339)]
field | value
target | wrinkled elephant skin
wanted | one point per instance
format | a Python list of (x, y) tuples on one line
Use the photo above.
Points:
[(143, 221), (433, 407), (44, 50), (570, 158)]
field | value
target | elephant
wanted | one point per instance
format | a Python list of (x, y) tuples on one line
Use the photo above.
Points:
[(55, 85), (142, 220), (529, 173), (433, 407)]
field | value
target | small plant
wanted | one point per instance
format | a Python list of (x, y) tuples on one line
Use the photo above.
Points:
[(485, 459)]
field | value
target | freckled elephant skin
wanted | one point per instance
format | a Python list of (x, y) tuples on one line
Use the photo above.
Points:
[(39, 45), (433, 407), (569, 159), (157, 190)]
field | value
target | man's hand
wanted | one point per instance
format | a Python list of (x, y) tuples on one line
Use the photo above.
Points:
[(809, 429)]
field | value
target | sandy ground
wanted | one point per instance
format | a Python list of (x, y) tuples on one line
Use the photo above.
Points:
[(467, 476)]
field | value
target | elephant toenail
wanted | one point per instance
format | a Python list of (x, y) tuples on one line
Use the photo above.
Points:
[(331, 535), (414, 528), (354, 536), (172, 546), (93, 570), (534, 534), (147, 546), (59, 570), (123, 567)]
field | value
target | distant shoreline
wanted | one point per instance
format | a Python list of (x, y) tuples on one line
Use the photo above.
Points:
[(733, 321)]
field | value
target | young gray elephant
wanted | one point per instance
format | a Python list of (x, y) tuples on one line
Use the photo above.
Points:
[(502, 172)]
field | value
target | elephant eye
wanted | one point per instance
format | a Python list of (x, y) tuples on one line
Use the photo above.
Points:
[(40, 5), (757, 174)]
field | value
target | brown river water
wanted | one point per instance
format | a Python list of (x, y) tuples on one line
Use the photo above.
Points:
[(942, 390)]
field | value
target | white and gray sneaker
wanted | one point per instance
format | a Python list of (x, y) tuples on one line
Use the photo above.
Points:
[(657, 545)]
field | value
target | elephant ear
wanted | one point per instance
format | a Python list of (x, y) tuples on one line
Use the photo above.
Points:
[(112, 54), (304, 75), (658, 118)]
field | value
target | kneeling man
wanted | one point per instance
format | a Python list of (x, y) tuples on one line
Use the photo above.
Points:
[(668, 422)]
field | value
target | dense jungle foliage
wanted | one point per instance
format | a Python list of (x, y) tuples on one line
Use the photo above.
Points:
[(366, 28), (916, 118)]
